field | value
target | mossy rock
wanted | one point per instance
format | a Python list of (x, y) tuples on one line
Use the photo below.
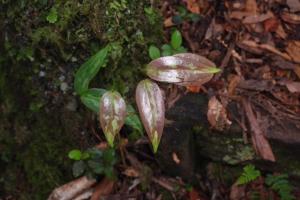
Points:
[(36, 128)]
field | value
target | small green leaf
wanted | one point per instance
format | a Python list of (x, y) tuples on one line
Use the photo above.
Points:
[(91, 98), (180, 50), (154, 52), (132, 120), (88, 71), (75, 154), (52, 16), (97, 167), (109, 157), (78, 168), (176, 39), (85, 156), (177, 19), (166, 47), (166, 50)]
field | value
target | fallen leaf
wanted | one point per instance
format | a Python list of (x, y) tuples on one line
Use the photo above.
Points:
[(280, 32), (217, 115), (293, 86), (233, 82), (175, 158), (194, 195), (260, 143), (193, 88), (168, 22), (72, 189), (294, 5), (193, 6), (297, 71), (131, 172), (237, 192), (290, 18), (293, 50), (271, 25), (105, 187), (267, 47), (251, 6), (258, 85), (253, 19)]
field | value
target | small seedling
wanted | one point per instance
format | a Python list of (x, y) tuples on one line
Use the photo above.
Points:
[(175, 47), (93, 162), (184, 15)]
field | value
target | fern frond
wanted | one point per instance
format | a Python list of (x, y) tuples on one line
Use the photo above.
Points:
[(249, 174), (281, 185)]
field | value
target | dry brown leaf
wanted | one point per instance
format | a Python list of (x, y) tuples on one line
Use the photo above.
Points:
[(72, 189), (217, 115), (271, 25), (233, 82), (266, 47), (237, 192), (193, 6), (131, 172), (280, 32), (239, 15), (251, 6), (297, 71), (294, 5), (253, 19), (290, 18), (105, 187), (293, 50), (260, 143), (194, 195), (175, 158), (168, 22), (293, 86)]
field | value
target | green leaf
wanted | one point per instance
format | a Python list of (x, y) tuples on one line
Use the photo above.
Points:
[(52, 16), (97, 167), (109, 157), (78, 168), (249, 174), (176, 39), (91, 98), (154, 52), (180, 50), (166, 50), (75, 154), (89, 70), (177, 19), (166, 47), (85, 156), (132, 120)]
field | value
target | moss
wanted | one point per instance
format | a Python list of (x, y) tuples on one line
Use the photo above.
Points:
[(36, 131), (126, 26)]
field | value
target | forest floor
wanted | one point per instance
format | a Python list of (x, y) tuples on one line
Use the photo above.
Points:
[(255, 43)]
